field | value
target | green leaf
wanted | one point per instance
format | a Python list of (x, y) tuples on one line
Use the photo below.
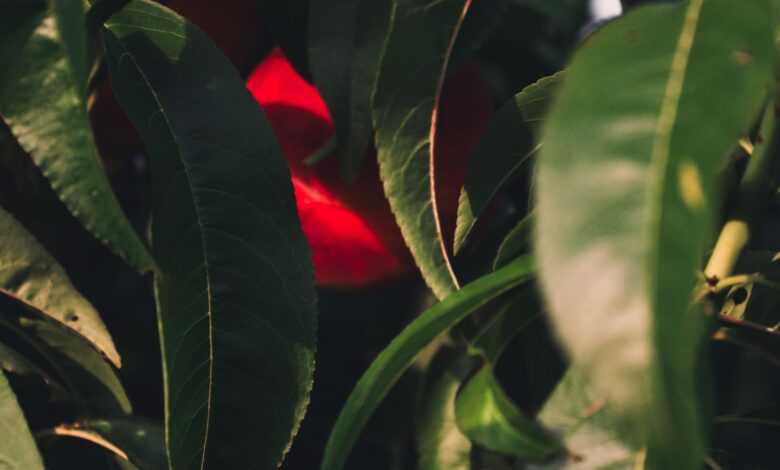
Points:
[(138, 441), (514, 316), (405, 105), (235, 292), (593, 434), (17, 447), (30, 275), (394, 360), (331, 38), (43, 92), (81, 368), (503, 151), (15, 363), (516, 242), (440, 444), (488, 417), (371, 35), (625, 191)]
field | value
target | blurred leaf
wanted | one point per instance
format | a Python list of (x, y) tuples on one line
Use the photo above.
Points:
[(235, 293), (592, 434), (30, 275), (132, 439), (516, 242), (17, 447), (43, 93), (394, 360), (625, 194), (488, 417), (440, 444), (503, 151), (405, 105)]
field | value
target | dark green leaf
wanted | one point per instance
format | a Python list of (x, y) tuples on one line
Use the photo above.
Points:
[(516, 242), (488, 417), (503, 151), (135, 440), (440, 444), (235, 294), (399, 355), (30, 275), (15, 363), (331, 39), (593, 435), (17, 447), (515, 315), (81, 368), (405, 105), (625, 193), (43, 99)]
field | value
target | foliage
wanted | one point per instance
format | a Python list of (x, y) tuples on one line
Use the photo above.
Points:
[(527, 241)]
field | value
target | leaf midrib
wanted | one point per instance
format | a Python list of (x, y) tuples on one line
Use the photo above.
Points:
[(207, 271), (659, 160)]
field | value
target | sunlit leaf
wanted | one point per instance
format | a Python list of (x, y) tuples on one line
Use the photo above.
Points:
[(135, 440), (394, 360), (625, 191), (43, 93), (235, 289), (488, 417), (17, 447), (405, 105), (30, 275)]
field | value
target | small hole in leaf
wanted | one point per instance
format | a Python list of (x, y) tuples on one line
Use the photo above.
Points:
[(72, 317), (740, 296)]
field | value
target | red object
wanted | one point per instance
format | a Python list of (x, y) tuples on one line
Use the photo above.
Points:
[(351, 231)]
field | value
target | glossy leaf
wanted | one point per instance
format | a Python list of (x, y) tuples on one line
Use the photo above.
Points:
[(30, 275), (440, 444), (43, 93), (17, 447), (138, 441), (394, 360), (625, 191), (592, 433), (405, 106), (488, 417), (507, 146), (235, 294)]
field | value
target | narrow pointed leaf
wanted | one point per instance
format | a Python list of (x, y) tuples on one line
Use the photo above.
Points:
[(15, 363), (235, 290), (137, 441), (394, 360), (17, 447), (43, 92), (30, 275), (81, 368), (405, 105), (507, 146), (488, 417), (516, 242), (625, 191)]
